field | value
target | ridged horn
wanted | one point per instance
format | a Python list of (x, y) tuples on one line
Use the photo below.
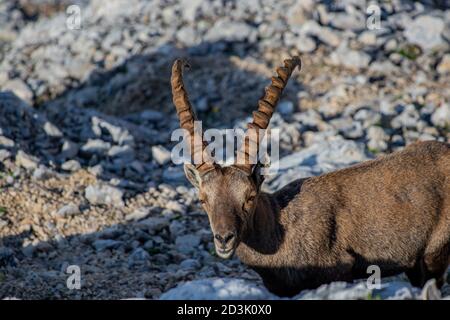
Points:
[(187, 117), (261, 117)]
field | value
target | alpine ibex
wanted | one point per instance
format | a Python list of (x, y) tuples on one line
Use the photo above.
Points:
[(393, 212)]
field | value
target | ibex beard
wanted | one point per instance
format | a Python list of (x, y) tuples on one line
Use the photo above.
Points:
[(393, 212)]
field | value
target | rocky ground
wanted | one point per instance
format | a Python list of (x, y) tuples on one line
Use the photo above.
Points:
[(86, 117)]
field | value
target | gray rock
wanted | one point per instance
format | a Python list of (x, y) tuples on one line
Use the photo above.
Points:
[(139, 258), (69, 210), (286, 108), (190, 264), (43, 173), (425, 31), (152, 115), (154, 224), (103, 194), (101, 245), (69, 149), (187, 243), (26, 161), (161, 155), (441, 117)]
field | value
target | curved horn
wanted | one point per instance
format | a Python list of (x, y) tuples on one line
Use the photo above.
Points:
[(261, 117), (187, 117)]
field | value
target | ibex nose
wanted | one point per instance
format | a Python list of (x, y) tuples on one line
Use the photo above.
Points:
[(224, 240)]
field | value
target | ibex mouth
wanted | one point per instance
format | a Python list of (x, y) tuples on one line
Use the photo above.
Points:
[(225, 254)]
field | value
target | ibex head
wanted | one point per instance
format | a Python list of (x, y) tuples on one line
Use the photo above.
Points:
[(228, 194)]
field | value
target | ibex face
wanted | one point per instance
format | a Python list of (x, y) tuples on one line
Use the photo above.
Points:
[(229, 196)]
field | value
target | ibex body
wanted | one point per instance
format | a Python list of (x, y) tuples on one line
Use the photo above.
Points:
[(393, 212)]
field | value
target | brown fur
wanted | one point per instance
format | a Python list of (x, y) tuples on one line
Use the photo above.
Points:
[(393, 212)]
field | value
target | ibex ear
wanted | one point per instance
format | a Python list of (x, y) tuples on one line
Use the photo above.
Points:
[(192, 174), (257, 176)]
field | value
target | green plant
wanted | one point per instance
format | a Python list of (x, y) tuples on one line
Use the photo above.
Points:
[(370, 296), (410, 51)]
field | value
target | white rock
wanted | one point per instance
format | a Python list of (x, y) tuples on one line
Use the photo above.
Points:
[(26, 161), (350, 58), (228, 30), (161, 155), (138, 214), (6, 142), (68, 210), (444, 66), (4, 154), (103, 194), (217, 289), (51, 130), (96, 146), (425, 31), (441, 117), (71, 165), (20, 89)]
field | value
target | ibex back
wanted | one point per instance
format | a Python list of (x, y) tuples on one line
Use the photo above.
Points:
[(393, 212)]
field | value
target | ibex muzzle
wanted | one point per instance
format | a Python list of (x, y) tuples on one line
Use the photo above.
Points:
[(393, 212)]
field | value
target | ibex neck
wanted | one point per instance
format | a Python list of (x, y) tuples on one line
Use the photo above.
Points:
[(265, 233)]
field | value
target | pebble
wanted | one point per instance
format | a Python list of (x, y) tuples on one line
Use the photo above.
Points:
[(68, 210), (26, 161), (138, 258), (161, 155), (19, 88), (71, 165), (425, 31), (441, 117), (138, 214), (51, 130), (103, 194), (187, 244), (101, 245)]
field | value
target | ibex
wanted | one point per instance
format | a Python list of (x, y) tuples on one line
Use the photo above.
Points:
[(393, 212)]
